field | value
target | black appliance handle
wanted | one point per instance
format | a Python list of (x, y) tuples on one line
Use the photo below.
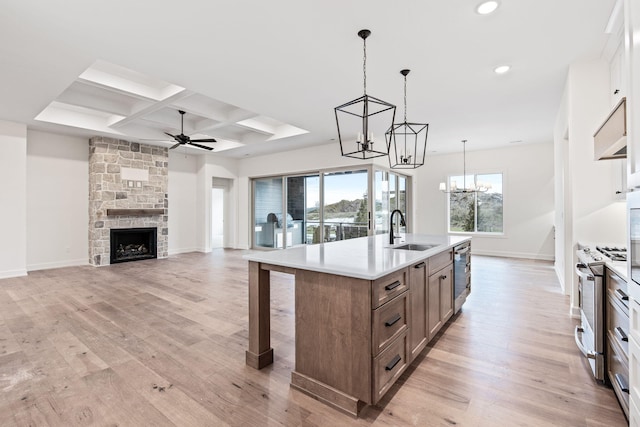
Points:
[(622, 383), (620, 293), (620, 333)]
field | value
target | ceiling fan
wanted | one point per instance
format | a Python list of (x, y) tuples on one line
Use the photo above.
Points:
[(183, 139)]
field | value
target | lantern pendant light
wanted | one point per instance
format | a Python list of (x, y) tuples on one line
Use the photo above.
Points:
[(473, 187), (407, 142), (363, 122)]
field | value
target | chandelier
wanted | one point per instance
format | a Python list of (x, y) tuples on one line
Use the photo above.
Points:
[(407, 149), (473, 188), (363, 122)]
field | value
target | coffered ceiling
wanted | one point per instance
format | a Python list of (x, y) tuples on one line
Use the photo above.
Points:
[(264, 77)]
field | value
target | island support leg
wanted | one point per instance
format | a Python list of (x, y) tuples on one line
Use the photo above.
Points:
[(260, 353)]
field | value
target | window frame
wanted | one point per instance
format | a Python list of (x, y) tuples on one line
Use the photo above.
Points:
[(371, 171), (490, 234)]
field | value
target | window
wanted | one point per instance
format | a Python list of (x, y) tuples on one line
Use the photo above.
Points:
[(391, 193), (325, 206), (476, 212), (345, 209)]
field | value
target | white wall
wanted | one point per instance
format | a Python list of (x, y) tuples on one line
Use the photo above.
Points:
[(595, 215), (190, 183), (183, 184), (563, 196), (13, 199), (57, 200), (210, 167), (528, 198)]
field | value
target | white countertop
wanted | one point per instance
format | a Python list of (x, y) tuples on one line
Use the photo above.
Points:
[(363, 258), (619, 267)]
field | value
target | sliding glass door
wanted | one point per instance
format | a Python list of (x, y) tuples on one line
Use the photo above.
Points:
[(390, 194), (303, 205), (345, 208), (267, 213), (325, 206)]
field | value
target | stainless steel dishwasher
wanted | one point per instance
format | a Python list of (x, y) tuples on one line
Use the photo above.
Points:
[(461, 274)]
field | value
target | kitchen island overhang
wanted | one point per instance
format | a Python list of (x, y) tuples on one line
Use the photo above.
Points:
[(341, 290)]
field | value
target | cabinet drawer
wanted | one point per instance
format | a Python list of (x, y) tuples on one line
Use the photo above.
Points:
[(618, 325), (617, 287), (437, 262), (388, 287), (618, 370), (389, 322), (634, 414), (388, 366), (634, 320)]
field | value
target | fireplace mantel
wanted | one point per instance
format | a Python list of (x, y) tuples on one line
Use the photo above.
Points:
[(134, 212)]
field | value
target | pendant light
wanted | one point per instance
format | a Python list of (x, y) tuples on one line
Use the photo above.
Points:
[(473, 188), (407, 142), (362, 123)]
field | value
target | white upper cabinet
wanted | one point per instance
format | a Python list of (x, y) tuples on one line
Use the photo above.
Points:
[(617, 82), (631, 75)]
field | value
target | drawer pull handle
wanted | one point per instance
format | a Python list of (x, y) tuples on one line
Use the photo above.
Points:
[(393, 320), (422, 264), (622, 295), (392, 286), (622, 383), (620, 333), (443, 277), (393, 363)]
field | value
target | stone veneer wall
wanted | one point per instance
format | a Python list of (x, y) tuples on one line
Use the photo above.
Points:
[(107, 191)]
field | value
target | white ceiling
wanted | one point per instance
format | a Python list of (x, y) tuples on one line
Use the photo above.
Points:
[(248, 70)]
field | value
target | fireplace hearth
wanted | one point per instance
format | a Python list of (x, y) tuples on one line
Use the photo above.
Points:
[(133, 244)]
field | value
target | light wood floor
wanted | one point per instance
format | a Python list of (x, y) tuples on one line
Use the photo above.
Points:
[(162, 342)]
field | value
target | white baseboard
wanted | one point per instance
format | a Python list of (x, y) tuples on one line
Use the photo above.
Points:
[(560, 277), (57, 264), (183, 251), (202, 250), (12, 273), (525, 255)]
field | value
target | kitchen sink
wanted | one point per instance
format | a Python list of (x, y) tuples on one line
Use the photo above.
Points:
[(415, 247)]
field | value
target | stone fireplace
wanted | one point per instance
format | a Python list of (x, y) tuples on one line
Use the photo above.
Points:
[(128, 185)]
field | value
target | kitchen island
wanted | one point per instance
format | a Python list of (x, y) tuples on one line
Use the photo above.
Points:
[(363, 310)]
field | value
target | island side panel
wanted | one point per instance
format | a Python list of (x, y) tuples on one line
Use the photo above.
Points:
[(260, 353), (333, 334)]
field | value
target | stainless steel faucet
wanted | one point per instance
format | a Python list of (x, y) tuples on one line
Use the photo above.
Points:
[(402, 223)]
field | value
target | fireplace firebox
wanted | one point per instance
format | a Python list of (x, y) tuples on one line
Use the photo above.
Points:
[(133, 244)]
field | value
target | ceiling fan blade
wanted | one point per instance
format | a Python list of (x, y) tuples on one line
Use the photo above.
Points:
[(172, 136), (175, 146), (204, 147), (204, 140)]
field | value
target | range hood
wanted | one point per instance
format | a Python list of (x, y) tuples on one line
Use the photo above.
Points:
[(610, 140)]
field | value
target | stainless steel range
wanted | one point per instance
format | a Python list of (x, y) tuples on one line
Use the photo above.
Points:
[(589, 335), (614, 253)]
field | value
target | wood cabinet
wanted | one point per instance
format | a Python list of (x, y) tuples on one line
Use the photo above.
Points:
[(440, 299), (355, 337), (418, 333), (617, 337)]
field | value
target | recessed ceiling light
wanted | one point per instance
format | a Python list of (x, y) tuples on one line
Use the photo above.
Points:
[(487, 7), (501, 69)]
